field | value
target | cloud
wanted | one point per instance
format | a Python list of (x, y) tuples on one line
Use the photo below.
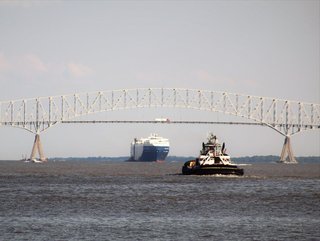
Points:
[(26, 64), (203, 75), (4, 63), (78, 70), (31, 68), (34, 63), (24, 68)]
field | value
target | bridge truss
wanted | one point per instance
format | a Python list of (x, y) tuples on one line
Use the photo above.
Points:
[(284, 116)]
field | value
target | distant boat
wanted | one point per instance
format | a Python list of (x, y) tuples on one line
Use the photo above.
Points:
[(33, 160), (212, 160), (24, 158), (37, 161), (163, 120), (151, 149)]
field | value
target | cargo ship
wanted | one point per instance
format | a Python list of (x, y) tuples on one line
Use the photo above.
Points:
[(212, 160), (152, 149)]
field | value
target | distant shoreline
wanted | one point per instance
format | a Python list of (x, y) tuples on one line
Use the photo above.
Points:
[(246, 159)]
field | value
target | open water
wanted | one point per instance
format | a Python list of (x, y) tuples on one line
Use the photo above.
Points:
[(151, 201)]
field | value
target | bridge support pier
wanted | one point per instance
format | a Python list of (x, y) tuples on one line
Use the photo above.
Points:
[(37, 147), (287, 153)]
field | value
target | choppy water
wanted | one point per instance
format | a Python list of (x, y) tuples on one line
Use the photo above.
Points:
[(150, 201)]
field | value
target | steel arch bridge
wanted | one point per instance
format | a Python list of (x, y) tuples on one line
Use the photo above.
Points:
[(284, 116)]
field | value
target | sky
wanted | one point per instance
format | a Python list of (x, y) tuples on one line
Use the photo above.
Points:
[(261, 48)]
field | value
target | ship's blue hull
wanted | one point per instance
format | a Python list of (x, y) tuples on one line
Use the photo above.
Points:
[(154, 153)]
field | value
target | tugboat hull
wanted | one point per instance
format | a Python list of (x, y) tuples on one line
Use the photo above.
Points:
[(212, 170)]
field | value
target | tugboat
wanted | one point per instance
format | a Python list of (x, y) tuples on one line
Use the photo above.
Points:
[(212, 160)]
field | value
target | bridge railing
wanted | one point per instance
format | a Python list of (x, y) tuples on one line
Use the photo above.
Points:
[(38, 114)]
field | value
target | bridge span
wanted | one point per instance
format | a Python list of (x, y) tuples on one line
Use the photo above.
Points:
[(284, 116)]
